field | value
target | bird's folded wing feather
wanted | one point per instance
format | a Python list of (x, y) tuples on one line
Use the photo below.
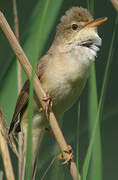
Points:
[(22, 102), (23, 98)]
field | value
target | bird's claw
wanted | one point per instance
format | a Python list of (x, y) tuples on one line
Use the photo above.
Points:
[(66, 155), (48, 105), (41, 109)]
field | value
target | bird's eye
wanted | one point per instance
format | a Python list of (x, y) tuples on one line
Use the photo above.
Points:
[(74, 26)]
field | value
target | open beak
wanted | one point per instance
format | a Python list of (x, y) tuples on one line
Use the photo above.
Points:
[(96, 22)]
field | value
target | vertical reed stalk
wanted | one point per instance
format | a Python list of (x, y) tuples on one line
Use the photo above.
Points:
[(19, 77)]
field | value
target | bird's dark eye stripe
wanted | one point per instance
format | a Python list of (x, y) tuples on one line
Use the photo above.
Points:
[(74, 26)]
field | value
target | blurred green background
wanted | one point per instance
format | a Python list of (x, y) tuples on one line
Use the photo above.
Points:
[(29, 14)]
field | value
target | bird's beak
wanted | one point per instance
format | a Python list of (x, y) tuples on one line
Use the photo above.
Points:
[(96, 22)]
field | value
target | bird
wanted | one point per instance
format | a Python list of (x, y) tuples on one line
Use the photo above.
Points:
[(63, 72)]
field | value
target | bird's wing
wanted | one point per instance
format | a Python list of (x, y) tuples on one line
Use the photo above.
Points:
[(21, 104), (23, 98)]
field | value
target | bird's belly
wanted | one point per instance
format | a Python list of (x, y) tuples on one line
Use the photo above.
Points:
[(64, 96)]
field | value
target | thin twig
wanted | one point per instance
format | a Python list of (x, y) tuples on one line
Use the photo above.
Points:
[(5, 154), (39, 91), (19, 76), (115, 4), (49, 166)]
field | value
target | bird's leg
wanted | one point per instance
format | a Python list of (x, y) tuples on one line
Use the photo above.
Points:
[(48, 104), (49, 131), (68, 153)]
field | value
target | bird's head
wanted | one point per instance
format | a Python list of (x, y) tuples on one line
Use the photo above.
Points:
[(78, 28)]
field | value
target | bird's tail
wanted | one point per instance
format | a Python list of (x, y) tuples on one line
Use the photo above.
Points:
[(36, 139)]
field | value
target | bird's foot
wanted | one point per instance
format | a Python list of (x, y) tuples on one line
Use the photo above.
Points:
[(66, 155), (48, 105), (41, 110)]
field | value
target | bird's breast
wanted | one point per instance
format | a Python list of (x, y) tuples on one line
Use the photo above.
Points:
[(65, 95), (64, 80)]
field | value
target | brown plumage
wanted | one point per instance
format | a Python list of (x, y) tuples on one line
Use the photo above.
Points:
[(76, 14), (21, 104), (63, 73), (23, 97)]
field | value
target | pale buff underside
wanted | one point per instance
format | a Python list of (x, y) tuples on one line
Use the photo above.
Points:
[(63, 80), (64, 87)]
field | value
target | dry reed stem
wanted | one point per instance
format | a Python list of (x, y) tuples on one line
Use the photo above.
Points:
[(12, 144), (39, 91), (5, 154), (16, 29), (115, 4), (4, 132), (19, 77), (1, 175)]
